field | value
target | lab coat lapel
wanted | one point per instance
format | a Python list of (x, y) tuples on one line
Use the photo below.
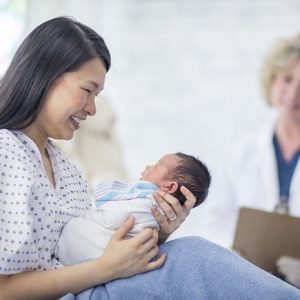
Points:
[(269, 167), (295, 192)]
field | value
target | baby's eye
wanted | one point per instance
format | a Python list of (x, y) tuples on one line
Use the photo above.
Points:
[(86, 90)]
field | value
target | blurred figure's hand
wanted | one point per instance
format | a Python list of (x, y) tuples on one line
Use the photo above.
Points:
[(290, 268)]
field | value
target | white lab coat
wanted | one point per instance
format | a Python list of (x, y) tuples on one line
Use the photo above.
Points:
[(247, 177)]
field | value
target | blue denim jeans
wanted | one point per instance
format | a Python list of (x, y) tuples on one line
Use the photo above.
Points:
[(196, 269)]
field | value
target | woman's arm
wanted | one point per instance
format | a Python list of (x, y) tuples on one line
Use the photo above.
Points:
[(122, 258), (172, 208)]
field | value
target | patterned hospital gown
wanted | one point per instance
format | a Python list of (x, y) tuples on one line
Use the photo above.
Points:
[(32, 211)]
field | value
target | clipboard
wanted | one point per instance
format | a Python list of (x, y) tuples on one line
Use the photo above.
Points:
[(263, 237)]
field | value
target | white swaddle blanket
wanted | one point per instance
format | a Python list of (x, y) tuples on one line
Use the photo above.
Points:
[(86, 237)]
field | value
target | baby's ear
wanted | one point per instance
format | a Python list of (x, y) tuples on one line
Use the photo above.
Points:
[(170, 187)]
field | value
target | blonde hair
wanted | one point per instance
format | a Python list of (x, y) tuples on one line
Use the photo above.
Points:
[(284, 53)]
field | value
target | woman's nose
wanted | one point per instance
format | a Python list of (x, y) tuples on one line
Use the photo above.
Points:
[(294, 93), (90, 106)]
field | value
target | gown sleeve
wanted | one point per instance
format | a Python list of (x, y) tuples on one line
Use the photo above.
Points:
[(17, 196)]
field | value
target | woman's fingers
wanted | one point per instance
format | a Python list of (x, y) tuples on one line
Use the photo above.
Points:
[(148, 240), (172, 210), (190, 199), (169, 204), (175, 213), (127, 257), (124, 229), (151, 250), (157, 263)]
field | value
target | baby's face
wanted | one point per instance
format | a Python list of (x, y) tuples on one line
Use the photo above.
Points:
[(157, 173)]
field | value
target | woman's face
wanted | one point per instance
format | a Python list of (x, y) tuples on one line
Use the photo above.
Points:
[(285, 93), (69, 100)]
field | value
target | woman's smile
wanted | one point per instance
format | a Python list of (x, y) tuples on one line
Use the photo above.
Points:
[(72, 97), (76, 121)]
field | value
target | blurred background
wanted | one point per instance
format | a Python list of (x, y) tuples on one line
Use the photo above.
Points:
[(184, 77)]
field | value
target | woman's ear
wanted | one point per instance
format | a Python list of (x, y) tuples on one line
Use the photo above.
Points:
[(170, 187)]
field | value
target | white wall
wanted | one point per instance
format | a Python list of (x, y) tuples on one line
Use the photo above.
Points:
[(184, 73)]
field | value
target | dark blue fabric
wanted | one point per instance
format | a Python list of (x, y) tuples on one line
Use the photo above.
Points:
[(196, 269), (285, 169)]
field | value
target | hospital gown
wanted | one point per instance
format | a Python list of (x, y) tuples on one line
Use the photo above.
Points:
[(32, 211)]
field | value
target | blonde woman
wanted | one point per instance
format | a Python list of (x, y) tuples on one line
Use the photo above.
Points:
[(263, 170)]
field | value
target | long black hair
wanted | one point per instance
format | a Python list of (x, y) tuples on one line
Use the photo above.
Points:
[(53, 48)]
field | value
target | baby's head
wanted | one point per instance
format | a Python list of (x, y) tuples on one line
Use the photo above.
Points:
[(174, 170)]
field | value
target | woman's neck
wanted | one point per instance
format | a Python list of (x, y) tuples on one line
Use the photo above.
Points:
[(288, 136), (41, 141), (37, 137)]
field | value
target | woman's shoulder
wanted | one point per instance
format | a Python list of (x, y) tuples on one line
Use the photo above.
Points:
[(10, 144), (255, 140), (8, 137), (250, 147)]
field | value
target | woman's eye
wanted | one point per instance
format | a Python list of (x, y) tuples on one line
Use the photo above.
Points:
[(86, 90), (287, 79)]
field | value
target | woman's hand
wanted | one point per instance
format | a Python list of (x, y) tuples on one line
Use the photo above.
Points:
[(125, 258), (174, 211), (122, 258)]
